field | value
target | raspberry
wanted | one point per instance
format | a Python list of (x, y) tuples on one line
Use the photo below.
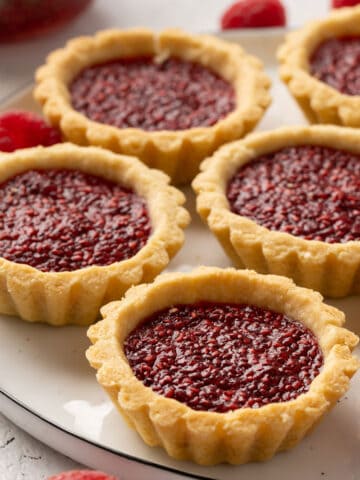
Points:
[(25, 129), (254, 13), (344, 3), (82, 475)]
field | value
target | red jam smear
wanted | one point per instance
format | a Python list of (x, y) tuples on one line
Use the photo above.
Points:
[(308, 191), (220, 357), (337, 62), (141, 93), (62, 220)]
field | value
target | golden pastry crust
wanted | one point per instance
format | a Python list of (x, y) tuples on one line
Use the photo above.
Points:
[(332, 269), (319, 102), (242, 435), (178, 153), (74, 297)]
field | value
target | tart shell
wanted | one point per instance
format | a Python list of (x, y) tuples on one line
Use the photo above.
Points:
[(177, 153), (319, 102), (332, 269), (74, 297), (242, 435)]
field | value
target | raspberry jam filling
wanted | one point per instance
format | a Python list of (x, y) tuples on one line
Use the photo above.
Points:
[(308, 191), (141, 93), (337, 63), (63, 220), (219, 357)]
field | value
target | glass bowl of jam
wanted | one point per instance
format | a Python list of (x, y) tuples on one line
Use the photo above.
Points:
[(24, 19)]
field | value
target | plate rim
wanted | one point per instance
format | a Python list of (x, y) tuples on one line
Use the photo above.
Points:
[(57, 426), (18, 92)]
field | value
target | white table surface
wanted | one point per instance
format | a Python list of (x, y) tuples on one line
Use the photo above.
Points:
[(21, 456)]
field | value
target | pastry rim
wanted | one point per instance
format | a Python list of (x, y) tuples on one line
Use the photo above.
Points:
[(320, 102), (170, 147), (59, 298), (244, 434), (331, 268)]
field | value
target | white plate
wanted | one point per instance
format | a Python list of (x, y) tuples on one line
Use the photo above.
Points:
[(50, 391)]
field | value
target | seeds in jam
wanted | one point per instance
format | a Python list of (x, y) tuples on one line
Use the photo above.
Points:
[(219, 357), (337, 62), (308, 191), (63, 220), (141, 93)]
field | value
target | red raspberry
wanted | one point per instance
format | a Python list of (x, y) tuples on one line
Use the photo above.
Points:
[(25, 129), (344, 3), (254, 13), (82, 475)]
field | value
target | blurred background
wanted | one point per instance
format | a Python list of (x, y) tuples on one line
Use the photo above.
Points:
[(19, 60)]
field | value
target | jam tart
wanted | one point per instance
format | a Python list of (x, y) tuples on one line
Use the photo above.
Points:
[(170, 98), (78, 227), (287, 202), (320, 65), (222, 365)]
